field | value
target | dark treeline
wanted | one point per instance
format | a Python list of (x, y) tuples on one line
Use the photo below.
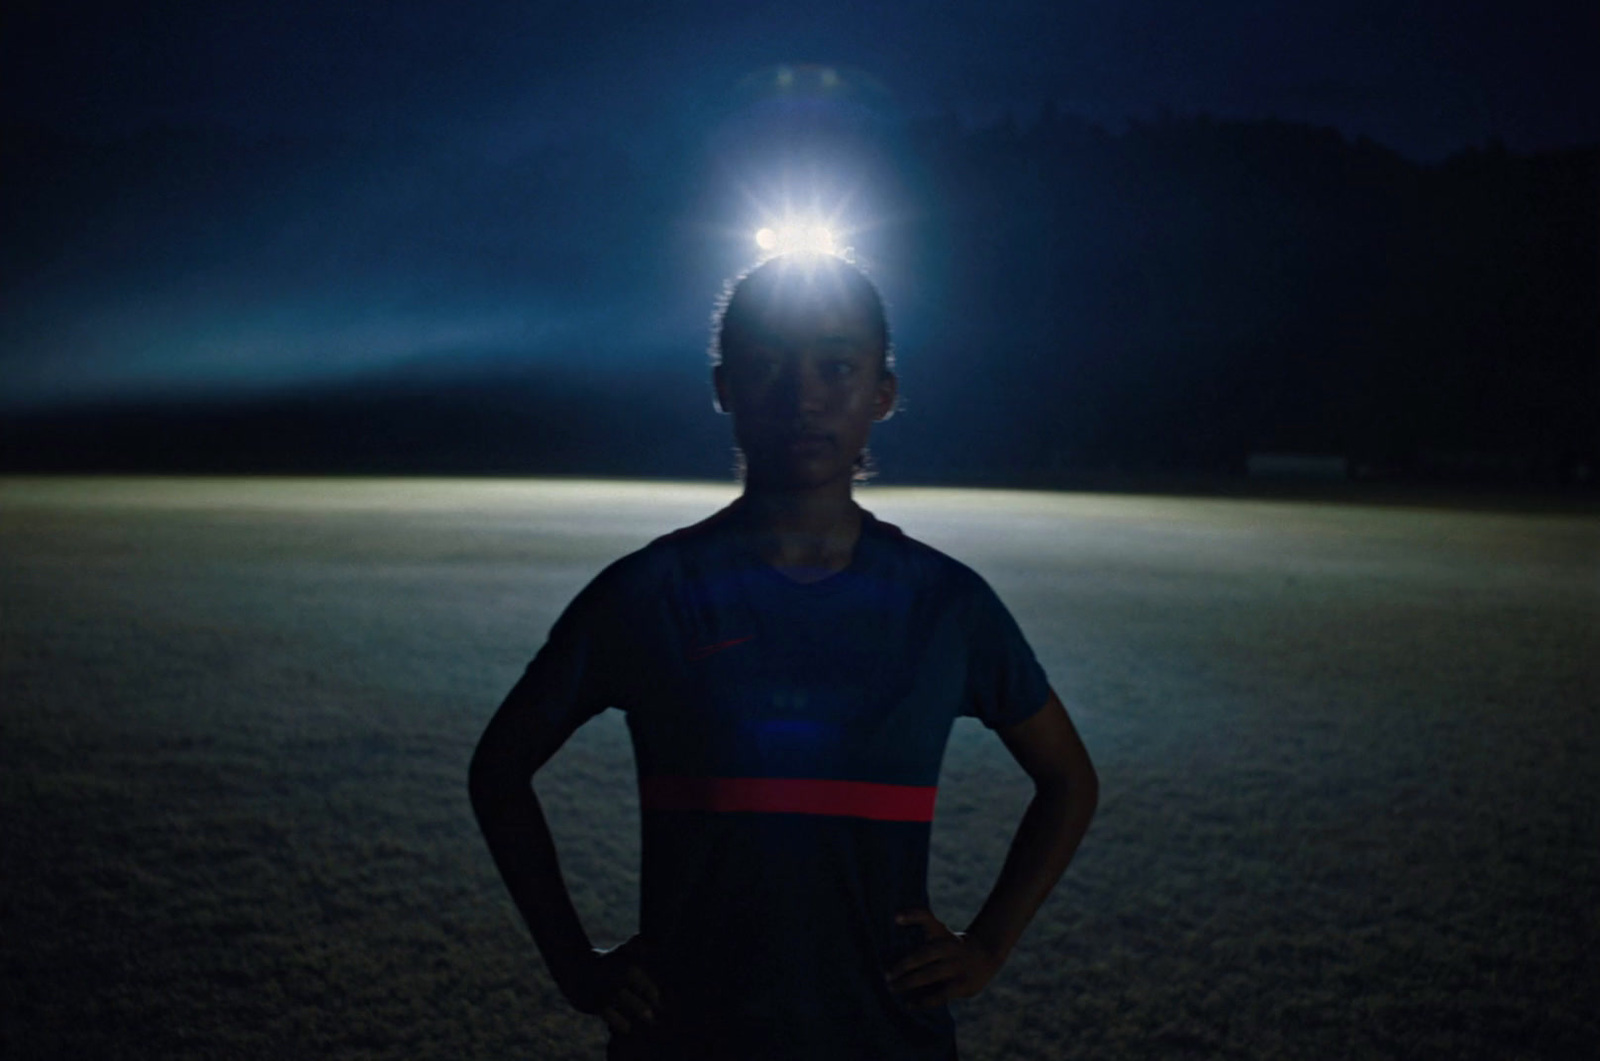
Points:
[(1192, 291), (1172, 298)]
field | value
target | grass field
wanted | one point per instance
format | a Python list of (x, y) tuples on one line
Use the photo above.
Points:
[(1349, 756)]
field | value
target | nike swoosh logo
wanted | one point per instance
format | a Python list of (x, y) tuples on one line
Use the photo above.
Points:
[(710, 650)]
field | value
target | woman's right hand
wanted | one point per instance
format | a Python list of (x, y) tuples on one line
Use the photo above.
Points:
[(624, 993)]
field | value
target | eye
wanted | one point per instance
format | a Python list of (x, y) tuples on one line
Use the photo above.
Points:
[(841, 369)]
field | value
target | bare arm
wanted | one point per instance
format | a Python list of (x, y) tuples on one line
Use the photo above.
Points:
[(1066, 792), (570, 681), (500, 781), (952, 965)]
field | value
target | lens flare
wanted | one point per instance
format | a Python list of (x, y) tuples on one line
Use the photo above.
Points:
[(797, 237)]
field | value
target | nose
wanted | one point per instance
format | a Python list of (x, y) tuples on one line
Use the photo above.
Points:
[(802, 389), (812, 390)]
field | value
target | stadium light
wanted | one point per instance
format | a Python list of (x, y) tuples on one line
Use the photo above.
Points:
[(797, 237)]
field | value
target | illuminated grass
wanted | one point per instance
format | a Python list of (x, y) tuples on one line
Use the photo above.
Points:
[(1348, 759)]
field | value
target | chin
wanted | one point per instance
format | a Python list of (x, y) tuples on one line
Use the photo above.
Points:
[(780, 475)]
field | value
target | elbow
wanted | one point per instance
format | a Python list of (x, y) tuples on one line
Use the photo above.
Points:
[(1089, 793), (480, 790), (1086, 788), (1077, 792), (489, 783)]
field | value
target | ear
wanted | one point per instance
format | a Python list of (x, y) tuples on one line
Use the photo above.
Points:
[(719, 388), (883, 403)]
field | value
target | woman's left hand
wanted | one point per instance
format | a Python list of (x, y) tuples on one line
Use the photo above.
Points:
[(948, 965)]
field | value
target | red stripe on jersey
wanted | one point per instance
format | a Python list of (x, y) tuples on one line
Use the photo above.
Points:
[(786, 795)]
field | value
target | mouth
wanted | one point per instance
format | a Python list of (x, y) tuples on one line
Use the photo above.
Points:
[(807, 442)]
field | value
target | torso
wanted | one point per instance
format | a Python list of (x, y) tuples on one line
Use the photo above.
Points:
[(788, 734)]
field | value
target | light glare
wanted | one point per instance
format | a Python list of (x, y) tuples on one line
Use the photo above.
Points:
[(797, 238)]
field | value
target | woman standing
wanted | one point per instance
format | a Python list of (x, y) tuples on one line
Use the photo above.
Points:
[(790, 669)]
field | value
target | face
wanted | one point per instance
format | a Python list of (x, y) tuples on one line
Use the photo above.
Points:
[(804, 393)]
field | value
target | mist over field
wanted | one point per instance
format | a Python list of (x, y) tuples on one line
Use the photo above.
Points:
[(1347, 754)]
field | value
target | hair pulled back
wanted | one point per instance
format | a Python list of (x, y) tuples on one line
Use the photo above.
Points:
[(786, 285)]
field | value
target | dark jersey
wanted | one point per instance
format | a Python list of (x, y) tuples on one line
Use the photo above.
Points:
[(788, 739)]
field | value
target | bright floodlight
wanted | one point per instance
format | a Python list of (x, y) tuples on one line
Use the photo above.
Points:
[(797, 238)]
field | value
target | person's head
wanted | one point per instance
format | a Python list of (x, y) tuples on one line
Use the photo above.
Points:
[(802, 362)]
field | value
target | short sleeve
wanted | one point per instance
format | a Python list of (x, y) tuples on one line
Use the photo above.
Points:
[(1005, 683), (573, 676)]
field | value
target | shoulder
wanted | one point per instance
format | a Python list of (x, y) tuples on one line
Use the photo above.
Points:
[(705, 530), (660, 562), (928, 566)]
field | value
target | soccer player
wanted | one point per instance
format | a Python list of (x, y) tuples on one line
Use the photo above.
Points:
[(790, 669)]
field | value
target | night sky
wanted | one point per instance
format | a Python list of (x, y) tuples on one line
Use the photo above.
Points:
[(241, 199), (1425, 78)]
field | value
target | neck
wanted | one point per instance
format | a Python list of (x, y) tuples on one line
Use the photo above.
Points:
[(807, 533)]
